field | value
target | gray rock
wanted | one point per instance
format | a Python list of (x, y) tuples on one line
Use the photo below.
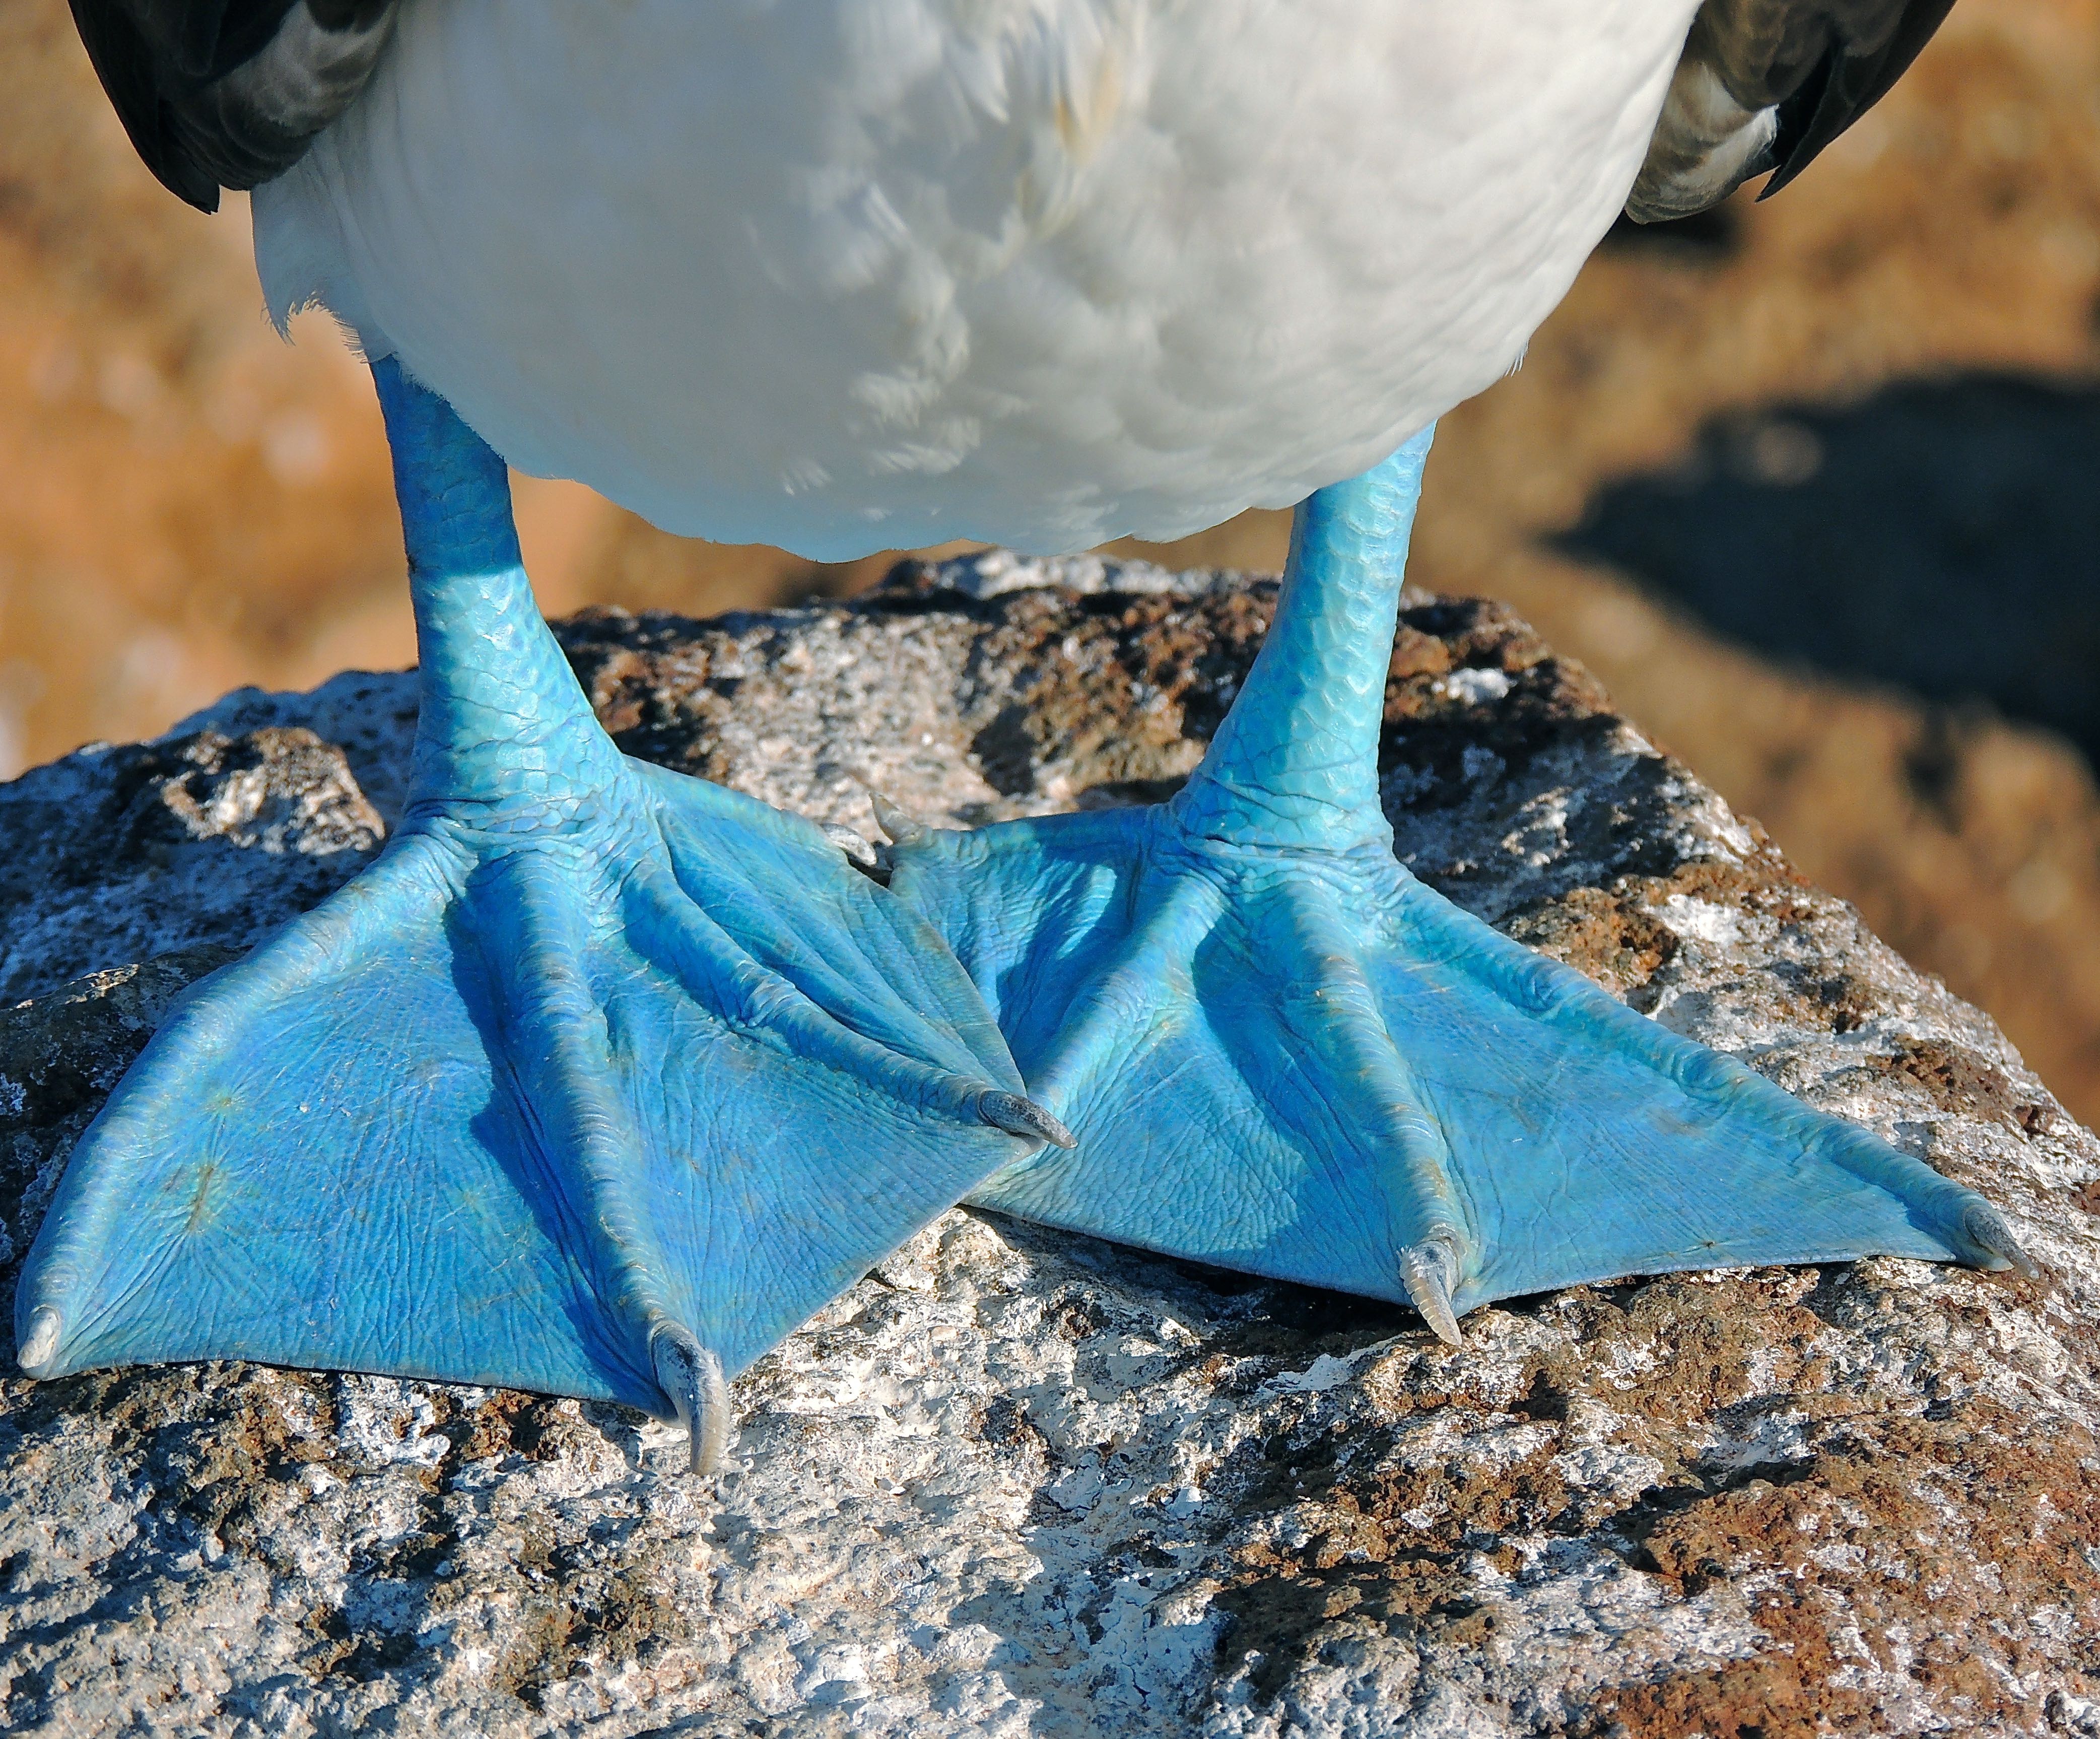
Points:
[(1017, 1482)]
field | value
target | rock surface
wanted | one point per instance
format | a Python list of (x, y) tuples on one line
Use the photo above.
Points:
[(1017, 1482)]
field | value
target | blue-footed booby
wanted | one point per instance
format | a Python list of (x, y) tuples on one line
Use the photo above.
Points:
[(602, 1078)]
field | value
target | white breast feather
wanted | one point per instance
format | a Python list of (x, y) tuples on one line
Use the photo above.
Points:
[(842, 275)]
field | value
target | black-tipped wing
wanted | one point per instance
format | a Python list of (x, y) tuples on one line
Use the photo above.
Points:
[(1855, 71), (1766, 84), (228, 93)]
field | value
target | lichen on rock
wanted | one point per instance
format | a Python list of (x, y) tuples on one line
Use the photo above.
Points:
[(1017, 1482)]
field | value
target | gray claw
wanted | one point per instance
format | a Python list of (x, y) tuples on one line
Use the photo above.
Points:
[(1024, 1118), (1429, 1270), (692, 1377), (37, 1353), (903, 829), (1985, 1228), (852, 843)]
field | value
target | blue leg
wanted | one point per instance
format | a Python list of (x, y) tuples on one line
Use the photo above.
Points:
[(598, 1082), (1281, 1053)]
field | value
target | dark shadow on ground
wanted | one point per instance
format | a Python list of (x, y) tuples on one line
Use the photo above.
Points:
[(1941, 535)]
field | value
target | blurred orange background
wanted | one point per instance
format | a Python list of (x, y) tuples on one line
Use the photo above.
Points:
[(187, 504)]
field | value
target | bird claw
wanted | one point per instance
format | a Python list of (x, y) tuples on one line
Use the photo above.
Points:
[(1024, 1118), (1985, 1228), (691, 1377), (903, 827), (41, 1343), (858, 852), (1429, 1271)]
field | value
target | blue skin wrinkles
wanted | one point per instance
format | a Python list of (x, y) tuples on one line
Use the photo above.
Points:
[(1282, 1053), (596, 1054), (1296, 763)]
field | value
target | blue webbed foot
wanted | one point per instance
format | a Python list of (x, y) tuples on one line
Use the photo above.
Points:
[(1281, 1053), (598, 1083)]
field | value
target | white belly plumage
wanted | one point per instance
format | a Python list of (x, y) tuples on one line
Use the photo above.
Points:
[(843, 275)]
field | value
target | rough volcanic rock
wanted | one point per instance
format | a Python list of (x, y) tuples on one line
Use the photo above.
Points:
[(1021, 1482)]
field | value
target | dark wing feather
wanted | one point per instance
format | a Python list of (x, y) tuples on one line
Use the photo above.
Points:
[(229, 92), (1766, 85), (135, 66), (1849, 81)]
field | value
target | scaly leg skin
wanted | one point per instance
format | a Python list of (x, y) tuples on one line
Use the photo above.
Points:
[(1281, 1053), (598, 1083)]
